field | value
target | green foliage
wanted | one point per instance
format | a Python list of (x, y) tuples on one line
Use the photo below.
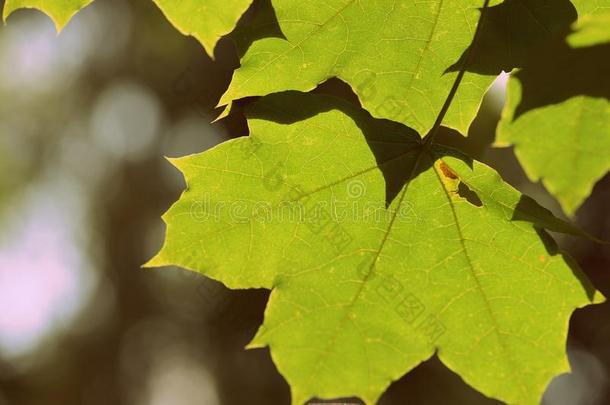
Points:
[(382, 247), (394, 55), (374, 257), (400, 58), (558, 113), (206, 20)]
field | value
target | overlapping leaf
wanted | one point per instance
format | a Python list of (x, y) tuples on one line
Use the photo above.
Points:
[(393, 53), (558, 113), (400, 57), (380, 250)]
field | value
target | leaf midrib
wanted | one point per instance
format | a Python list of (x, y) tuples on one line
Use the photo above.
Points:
[(350, 305)]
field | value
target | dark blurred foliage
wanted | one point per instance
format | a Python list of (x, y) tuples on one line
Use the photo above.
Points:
[(164, 335)]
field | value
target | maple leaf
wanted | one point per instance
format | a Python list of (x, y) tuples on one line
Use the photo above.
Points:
[(400, 57), (394, 54), (380, 250)]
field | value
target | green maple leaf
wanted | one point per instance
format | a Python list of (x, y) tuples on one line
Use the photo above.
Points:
[(558, 113), (380, 250), (206, 20), (60, 11), (394, 54), (400, 57)]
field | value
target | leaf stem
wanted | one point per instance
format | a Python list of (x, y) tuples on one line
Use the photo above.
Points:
[(458, 80)]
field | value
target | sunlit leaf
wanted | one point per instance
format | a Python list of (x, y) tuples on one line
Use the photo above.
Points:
[(400, 57), (380, 250)]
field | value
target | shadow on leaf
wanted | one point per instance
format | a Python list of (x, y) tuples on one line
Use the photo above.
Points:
[(561, 73), (257, 23), (513, 31), (397, 148), (553, 250)]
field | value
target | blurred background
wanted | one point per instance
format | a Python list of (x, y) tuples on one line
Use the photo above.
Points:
[(86, 119)]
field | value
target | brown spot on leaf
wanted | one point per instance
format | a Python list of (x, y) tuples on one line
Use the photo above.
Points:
[(447, 172)]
